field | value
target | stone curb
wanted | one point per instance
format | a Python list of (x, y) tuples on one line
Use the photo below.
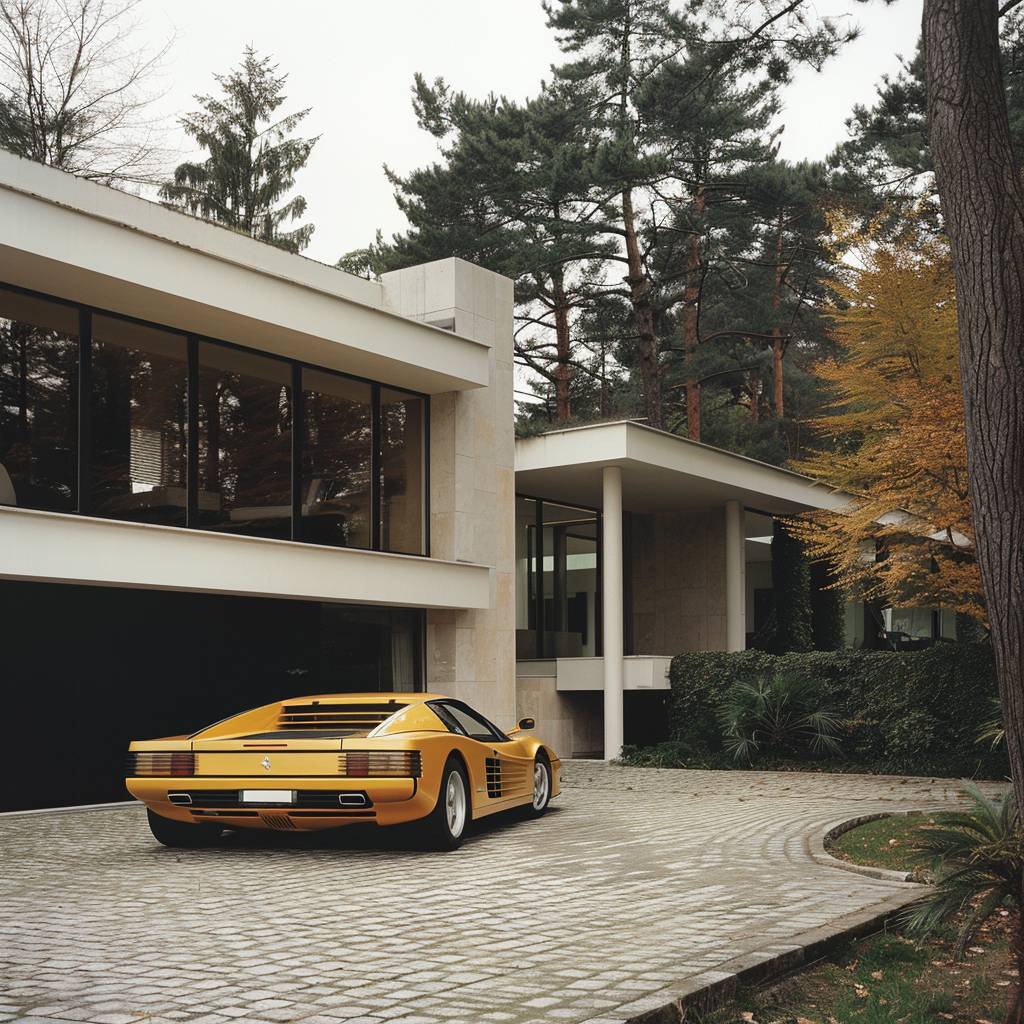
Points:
[(710, 990), (818, 847)]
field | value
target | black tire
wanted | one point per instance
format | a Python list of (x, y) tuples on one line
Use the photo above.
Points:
[(438, 830), (182, 834), (536, 808)]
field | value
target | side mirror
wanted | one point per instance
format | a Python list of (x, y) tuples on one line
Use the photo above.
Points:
[(527, 723)]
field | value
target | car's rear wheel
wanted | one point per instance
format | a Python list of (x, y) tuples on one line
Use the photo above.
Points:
[(182, 833), (446, 824), (541, 784)]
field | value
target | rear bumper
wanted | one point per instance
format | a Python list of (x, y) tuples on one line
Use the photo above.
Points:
[(320, 803)]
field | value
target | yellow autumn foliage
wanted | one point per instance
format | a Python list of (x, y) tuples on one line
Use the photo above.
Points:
[(896, 431)]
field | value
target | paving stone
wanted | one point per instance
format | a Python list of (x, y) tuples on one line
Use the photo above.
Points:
[(638, 883)]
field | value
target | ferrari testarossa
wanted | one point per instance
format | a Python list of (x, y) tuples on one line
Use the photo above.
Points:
[(320, 762)]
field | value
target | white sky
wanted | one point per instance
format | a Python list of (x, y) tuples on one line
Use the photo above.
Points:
[(353, 61)]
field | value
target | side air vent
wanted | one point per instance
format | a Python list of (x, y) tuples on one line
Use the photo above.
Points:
[(493, 777), (356, 717)]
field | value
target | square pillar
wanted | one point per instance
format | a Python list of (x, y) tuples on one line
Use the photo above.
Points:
[(611, 613), (735, 578)]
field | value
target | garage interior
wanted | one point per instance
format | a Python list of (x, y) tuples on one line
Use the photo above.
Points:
[(90, 668)]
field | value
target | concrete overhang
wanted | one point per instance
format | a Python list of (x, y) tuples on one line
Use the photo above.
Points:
[(82, 241), (661, 472), (58, 548)]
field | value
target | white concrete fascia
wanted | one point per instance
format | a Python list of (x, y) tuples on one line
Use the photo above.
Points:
[(60, 548), (639, 672), (625, 443), (82, 241)]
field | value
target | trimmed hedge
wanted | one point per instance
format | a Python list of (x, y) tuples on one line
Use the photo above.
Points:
[(906, 713)]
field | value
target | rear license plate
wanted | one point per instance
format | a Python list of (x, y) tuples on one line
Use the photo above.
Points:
[(268, 796)]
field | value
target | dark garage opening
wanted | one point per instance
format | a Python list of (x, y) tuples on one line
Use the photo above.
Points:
[(86, 669)]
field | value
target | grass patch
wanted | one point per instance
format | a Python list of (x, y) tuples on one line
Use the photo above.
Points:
[(886, 843), (890, 979)]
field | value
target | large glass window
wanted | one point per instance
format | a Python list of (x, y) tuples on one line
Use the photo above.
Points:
[(558, 604), (38, 403), (337, 460), (191, 432), (139, 422), (244, 442), (526, 578), (401, 486), (570, 582)]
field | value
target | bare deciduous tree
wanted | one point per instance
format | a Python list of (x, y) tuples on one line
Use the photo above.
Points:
[(74, 88)]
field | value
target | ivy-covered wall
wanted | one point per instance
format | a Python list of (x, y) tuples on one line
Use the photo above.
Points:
[(913, 713)]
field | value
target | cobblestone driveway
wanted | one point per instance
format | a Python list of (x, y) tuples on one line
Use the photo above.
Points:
[(635, 883)]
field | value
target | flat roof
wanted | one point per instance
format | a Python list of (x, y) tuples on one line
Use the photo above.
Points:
[(661, 472), (79, 240)]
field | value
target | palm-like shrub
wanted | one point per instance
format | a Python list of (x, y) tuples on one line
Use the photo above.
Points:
[(977, 857), (779, 714), (993, 732)]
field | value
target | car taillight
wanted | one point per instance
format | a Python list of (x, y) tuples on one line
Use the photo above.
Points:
[(161, 764), (361, 764)]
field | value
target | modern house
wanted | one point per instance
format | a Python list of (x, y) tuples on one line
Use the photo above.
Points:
[(230, 475)]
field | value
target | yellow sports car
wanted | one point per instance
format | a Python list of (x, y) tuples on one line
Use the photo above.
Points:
[(319, 762)]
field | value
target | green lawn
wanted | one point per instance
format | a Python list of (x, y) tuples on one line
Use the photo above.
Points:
[(889, 979), (885, 843)]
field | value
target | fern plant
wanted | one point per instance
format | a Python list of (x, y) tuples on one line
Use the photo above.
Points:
[(977, 858), (779, 714)]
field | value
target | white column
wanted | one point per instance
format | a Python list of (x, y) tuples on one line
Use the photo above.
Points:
[(611, 611), (735, 578)]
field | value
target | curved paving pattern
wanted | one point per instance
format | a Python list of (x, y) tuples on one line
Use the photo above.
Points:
[(639, 885)]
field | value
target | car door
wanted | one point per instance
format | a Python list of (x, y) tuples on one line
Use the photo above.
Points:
[(509, 778)]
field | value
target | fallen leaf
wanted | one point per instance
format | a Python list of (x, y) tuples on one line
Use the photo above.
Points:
[(747, 1016), (877, 975), (976, 949)]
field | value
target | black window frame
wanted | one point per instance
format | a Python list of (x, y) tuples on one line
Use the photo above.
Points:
[(193, 340)]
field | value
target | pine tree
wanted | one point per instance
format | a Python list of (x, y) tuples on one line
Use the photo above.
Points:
[(886, 162), (511, 194), (252, 158)]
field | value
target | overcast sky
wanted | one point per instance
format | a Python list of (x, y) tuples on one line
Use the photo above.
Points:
[(353, 62)]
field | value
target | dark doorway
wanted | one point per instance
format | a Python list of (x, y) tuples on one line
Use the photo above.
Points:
[(86, 669)]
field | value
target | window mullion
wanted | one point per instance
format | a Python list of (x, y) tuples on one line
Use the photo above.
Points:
[(84, 410)]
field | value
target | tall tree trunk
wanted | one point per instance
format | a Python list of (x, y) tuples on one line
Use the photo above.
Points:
[(691, 320), (643, 317), (983, 205), (777, 400), (563, 350), (755, 396)]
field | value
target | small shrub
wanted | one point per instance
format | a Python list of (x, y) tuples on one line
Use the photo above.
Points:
[(977, 857), (781, 714)]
